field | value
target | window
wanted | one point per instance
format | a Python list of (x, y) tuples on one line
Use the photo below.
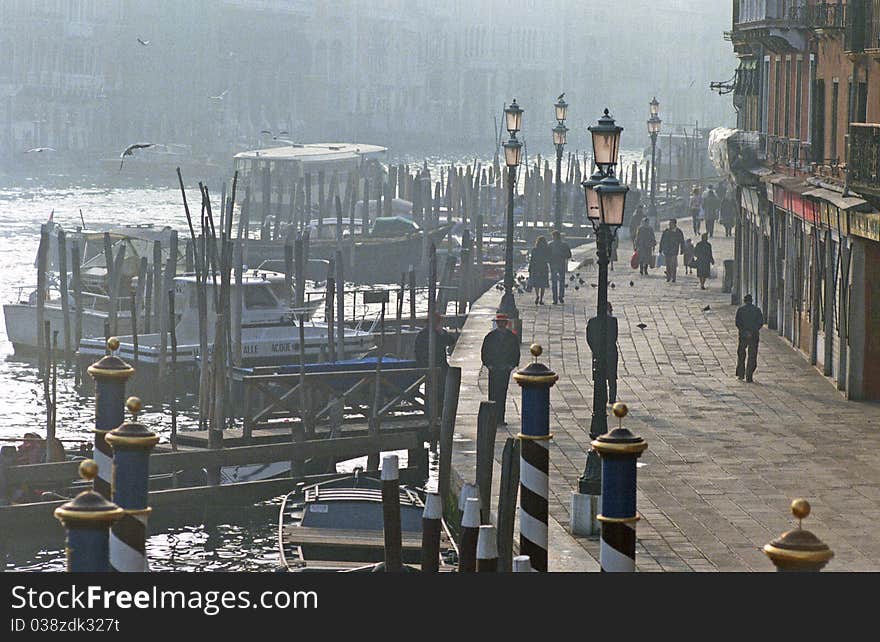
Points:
[(798, 98), (259, 297), (787, 98), (777, 103), (835, 94)]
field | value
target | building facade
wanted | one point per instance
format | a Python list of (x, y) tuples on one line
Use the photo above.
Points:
[(805, 159)]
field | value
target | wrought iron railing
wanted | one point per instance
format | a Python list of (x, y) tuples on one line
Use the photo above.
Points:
[(826, 15), (862, 25), (864, 154)]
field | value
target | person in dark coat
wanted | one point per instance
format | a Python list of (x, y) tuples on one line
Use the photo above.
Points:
[(695, 207), (500, 354), (704, 259), (671, 245), (560, 253), (728, 213), (634, 224), (443, 341), (645, 242), (749, 321), (710, 210), (611, 350), (539, 268)]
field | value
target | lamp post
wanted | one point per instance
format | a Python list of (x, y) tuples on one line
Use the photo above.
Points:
[(605, 203), (512, 158), (654, 130), (559, 134)]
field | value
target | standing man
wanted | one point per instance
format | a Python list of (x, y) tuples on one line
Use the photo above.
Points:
[(500, 354), (645, 242), (560, 253), (749, 321), (610, 353), (671, 245), (695, 206), (711, 203), (443, 341)]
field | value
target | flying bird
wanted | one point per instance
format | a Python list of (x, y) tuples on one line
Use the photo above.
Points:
[(641, 326), (266, 131), (145, 43), (129, 151), (221, 96), (561, 96), (39, 150)]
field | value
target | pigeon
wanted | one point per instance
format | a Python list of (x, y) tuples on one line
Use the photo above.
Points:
[(145, 43), (561, 96), (571, 278), (39, 150), (129, 151), (641, 326), (706, 309), (581, 281), (592, 285), (576, 288), (612, 285), (631, 284)]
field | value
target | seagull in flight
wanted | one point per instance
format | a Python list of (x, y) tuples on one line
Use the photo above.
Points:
[(561, 96), (145, 43), (129, 151), (221, 96), (39, 150)]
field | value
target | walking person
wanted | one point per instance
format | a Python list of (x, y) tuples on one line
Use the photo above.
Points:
[(539, 268), (635, 222), (695, 206), (711, 203), (688, 252), (671, 245), (560, 253), (500, 355), (443, 341), (645, 242), (749, 321), (611, 355), (704, 259), (728, 213)]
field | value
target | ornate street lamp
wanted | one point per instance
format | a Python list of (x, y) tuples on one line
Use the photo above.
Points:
[(559, 136), (654, 123), (605, 200), (512, 159)]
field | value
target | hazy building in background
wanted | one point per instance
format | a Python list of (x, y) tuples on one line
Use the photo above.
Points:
[(413, 74)]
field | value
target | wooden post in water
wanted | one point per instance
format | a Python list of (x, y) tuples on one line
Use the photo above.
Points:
[(134, 327), (65, 302), (431, 525), (447, 429), (340, 306), (487, 549), (507, 496), (172, 326), (468, 535), (42, 290), (77, 294), (486, 431), (157, 284), (329, 303), (391, 514), (115, 286)]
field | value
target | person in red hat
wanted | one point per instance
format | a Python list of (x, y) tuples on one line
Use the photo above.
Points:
[(500, 354)]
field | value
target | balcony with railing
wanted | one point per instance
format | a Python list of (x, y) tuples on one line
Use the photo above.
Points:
[(779, 25), (864, 157), (825, 15)]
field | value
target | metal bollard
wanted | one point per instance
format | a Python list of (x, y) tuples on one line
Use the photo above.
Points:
[(535, 381), (391, 514), (798, 550), (487, 550), (431, 524), (131, 443), (110, 374), (470, 529), (522, 564), (87, 518), (619, 449)]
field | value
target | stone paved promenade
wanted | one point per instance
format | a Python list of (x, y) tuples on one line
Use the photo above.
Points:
[(724, 457)]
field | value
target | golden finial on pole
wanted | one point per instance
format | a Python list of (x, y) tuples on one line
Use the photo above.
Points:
[(88, 469), (113, 344), (134, 406), (798, 550), (800, 508), (620, 411), (536, 350)]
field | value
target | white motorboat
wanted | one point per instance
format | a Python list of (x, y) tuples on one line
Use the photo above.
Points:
[(270, 332)]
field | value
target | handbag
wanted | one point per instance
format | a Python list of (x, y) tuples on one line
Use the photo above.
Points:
[(653, 261), (661, 260), (634, 261)]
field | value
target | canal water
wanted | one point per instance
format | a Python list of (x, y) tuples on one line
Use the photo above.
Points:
[(245, 541)]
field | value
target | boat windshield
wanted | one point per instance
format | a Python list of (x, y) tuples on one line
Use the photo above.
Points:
[(259, 297)]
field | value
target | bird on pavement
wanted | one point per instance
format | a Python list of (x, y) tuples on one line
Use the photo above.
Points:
[(129, 151), (706, 309), (612, 285), (642, 326), (631, 284), (145, 43)]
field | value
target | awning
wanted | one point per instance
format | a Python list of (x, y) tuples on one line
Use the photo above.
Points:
[(835, 198), (788, 183)]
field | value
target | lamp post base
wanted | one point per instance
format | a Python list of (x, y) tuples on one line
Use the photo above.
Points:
[(508, 305), (585, 510)]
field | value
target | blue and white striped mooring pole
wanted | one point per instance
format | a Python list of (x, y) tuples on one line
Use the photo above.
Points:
[(110, 374), (131, 443), (87, 518), (534, 468), (619, 449)]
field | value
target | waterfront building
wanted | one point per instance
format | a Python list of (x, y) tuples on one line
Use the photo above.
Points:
[(804, 160)]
